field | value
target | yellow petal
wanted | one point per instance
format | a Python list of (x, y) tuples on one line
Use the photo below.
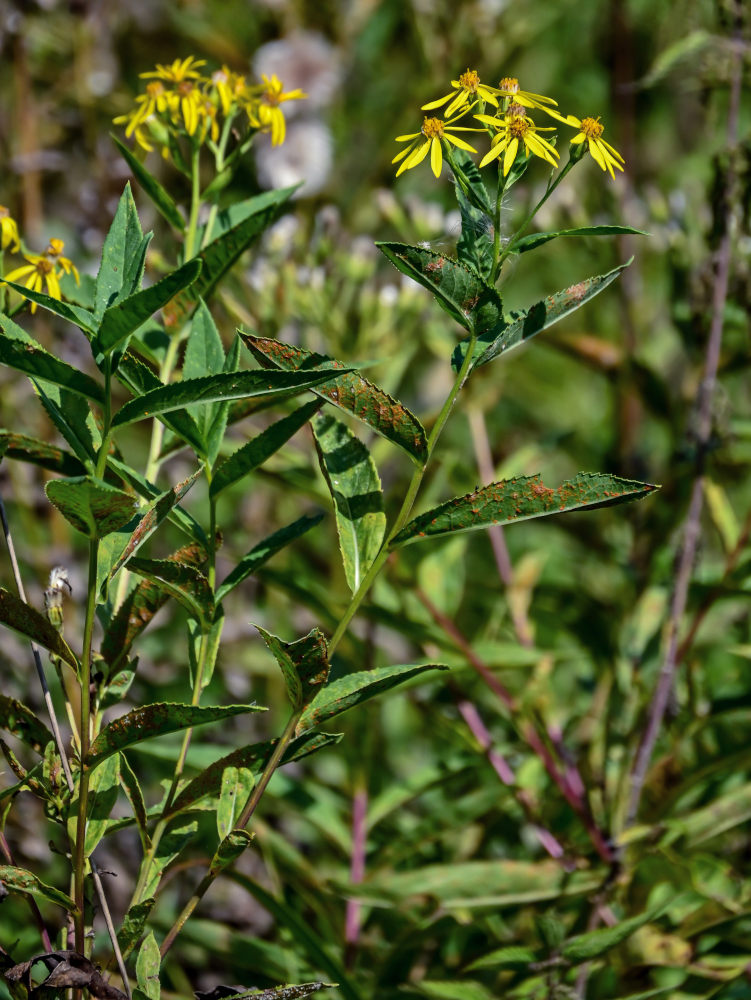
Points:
[(597, 154), (417, 155), (406, 138), (510, 156), (436, 156), (437, 104), (53, 285), (459, 142), (494, 152)]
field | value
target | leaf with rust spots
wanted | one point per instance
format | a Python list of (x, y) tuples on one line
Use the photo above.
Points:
[(520, 499), (517, 329), (18, 880), (296, 992), (304, 664), (19, 720), (349, 391), (90, 505), (47, 456), (252, 757), (133, 924), (185, 583), (29, 623), (353, 689), (157, 720), (121, 545), (458, 289)]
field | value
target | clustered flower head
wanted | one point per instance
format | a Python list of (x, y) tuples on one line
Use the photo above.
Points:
[(42, 271), (510, 126), (180, 100)]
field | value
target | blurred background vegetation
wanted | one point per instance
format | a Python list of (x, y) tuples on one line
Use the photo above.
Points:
[(568, 615)]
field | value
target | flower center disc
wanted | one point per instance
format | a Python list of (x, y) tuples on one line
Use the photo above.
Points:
[(509, 84), (470, 80), (591, 127), (432, 127), (518, 126)]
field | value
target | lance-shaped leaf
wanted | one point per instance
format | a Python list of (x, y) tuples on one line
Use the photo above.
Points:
[(148, 964), (230, 849), (29, 623), (353, 689), (157, 720), (304, 664), (516, 330), (219, 256), (35, 362), (211, 388), (355, 488), (185, 583), (121, 545), (74, 314), (292, 992), (102, 796), (36, 452), (237, 784), (457, 288), (19, 880), (122, 318), (173, 842), (138, 609), (90, 505), (150, 491), (73, 418), (350, 392), (255, 452), (252, 757), (520, 499), (585, 947), (512, 957), (123, 256), (132, 789), (19, 720), (262, 552), (161, 199), (538, 239), (133, 924), (204, 355)]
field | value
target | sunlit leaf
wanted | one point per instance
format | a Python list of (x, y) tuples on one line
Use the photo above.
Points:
[(22, 881), (538, 239), (185, 583), (93, 507), (37, 363), (159, 196), (22, 618), (304, 664), (19, 720)]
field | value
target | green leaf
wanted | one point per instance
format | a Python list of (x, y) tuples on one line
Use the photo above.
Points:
[(470, 187), (148, 964), (355, 488), (585, 947), (353, 689), (185, 583), (262, 552), (29, 623), (156, 720), (173, 842), (537, 239), (121, 545), (103, 791), (19, 720), (204, 355), (73, 314), (304, 664), (475, 245), (509, 334), (158, 195), (255, 452), (520, 499), (219, 256), (455, 989), (253, 757), (19, 880), (230, 849), (73, 418), (90, 505), (123, 256), (350, 392), (124, 317), (133, 924), (150, 491), (37, 363), (464, 295), (28, 449), (512, 957), (220, 411), (296, 992), (132, 789), (139, 607), (210, 388), (237, 784)]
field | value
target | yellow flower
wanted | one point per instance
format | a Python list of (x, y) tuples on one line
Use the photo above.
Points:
[(513, 129), (434, 131), (209, 124), (230, 88), (264, 111), (466, 88), (42, 269), (509, 88), (177, 71), (154, 100), (183, 98), (602, 152), (8, 231)]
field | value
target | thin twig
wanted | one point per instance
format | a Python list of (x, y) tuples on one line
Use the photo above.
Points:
[(692, 527)]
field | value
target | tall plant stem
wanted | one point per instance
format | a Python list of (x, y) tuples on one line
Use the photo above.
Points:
[(245, 817), (195, 202), (409, 500), (522, 228), (692, 527), (219, 167)]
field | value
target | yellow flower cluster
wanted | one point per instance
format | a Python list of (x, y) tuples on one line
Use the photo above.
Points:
[(510, 125), (180, 100), (45, 269)]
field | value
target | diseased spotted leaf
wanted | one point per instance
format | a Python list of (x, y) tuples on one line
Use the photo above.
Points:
[(148, 964), (186, 584), (352, 689), (156, 720), (22, 618), (237, 784), (304, 664), (18, 880), (296, 992), (19, 720), (520, 499), (132, 789), (47, 456), (230, 849), (92, 506), (74, 314), (349, 391), (35, 362), (355, 488), (133, 924)]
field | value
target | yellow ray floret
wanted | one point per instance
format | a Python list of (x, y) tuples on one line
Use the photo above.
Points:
[(43, 269), (509, 89), (434, 131), (264, 111), (466, 88), (8, 231), (590, 131), (514, 130)]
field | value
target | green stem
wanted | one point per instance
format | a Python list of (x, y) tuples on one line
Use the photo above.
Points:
[(408, 502), (250, 807), (219, 166), (520, 231), (497, 223), (195, 202)]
